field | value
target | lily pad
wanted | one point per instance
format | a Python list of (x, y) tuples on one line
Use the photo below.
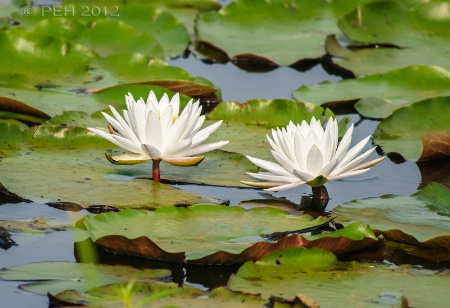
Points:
[(36, 225), (382, 93), (398, 34), (159, 294), (420, 131), (39, 56), (13, 109), (54, 277), (89, 179), (265, 112), (316, 274), (422, 219), (292, 31), (222, 234)]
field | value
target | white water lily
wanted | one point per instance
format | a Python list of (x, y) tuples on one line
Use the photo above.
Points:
[(154, 130), (307, 153)]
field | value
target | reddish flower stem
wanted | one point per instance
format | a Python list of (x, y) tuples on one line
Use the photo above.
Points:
[(156, 172)]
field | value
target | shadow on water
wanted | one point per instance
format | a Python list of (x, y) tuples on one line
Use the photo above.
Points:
[(205, 277)]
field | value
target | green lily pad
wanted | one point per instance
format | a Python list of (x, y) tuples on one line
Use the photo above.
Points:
[(317, 275), (88, 177), (382, 93), (420, 131), (270, 113), (291, 31), (35, 56), (222, 234), (159, 294), (412, 30), (54, 277), (421, 219)]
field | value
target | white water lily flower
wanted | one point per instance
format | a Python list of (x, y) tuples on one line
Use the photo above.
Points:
[(156, 131), (307, 153)]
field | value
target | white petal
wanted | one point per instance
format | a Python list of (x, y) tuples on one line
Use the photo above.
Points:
[(328, 168), (178, 148), (286, 186), (126, 131), (305, 177), (202, 135), (175, 103), (344, 144), (353, 152), (128, 144), (347, 174), (273, 177), (284, 161), (203, 148), (351, 165), (151, 151), (314, 161), (153, 131), (269, 166), (125, 126)]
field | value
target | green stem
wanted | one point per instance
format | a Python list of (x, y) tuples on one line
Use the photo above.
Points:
[(156, 172)]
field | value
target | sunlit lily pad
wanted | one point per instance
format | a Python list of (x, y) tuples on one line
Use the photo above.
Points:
[(272, 32), (37, 225), (416, 33), (55, 277), (382, 93), (221, 234), (421, 219), (159, 294), (88, 179), (316, 274), (420, 131), (35, 56)]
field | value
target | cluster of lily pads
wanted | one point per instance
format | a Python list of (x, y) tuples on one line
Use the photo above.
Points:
[(63, 75)]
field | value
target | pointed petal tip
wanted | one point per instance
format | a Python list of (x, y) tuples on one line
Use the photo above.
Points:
[(370, 163), (261, 184)]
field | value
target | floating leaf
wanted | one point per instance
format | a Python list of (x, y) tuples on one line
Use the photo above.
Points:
[(54, 277), (36, 225), (421, 219), (270, 113), (222, 234), (315, 273), (88, 179), (236, 29), (159, 294), (398, 34), (412, 131), (382, 93)]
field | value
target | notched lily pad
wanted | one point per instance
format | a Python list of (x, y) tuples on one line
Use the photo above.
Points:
[(422, 219), (420, 131), (236, 30), (221, 235), (382, 94)]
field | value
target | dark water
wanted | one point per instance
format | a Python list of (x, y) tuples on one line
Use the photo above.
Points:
[(237, 85)]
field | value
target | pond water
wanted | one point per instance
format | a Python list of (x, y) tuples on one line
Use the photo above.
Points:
[(238, 85)]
